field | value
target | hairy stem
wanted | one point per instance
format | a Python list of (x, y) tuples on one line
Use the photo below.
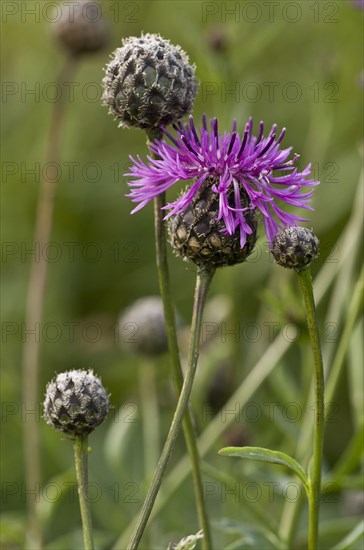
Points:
[(80, 448), (318, 433), (202, 285), (34, 311)]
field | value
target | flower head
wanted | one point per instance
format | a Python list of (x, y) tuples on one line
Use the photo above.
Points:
[(252, 165), (81, 28), (149, 82), (142, 327), (197, 234), (76, 402), (295, 248)]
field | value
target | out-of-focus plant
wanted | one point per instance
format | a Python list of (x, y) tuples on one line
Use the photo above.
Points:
[(79, 31)]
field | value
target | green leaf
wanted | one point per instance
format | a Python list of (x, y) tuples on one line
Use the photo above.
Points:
[(12, 530), (244, 544), (353, 537), (250, 536), (267, 455), (74, 539), (119, 434), (48, 506)]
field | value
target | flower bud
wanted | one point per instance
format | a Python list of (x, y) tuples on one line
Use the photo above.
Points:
[(76, 402), (149, 82), (295, 248), (142, 327), (197, 235), (81, 27)]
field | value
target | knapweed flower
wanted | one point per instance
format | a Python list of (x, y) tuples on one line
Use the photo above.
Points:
[(149, 82), (198, 235), (295, 248), (76, 402), (244, 174)]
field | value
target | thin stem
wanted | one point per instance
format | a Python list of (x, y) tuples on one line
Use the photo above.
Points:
[(188, 429), (202, 285), (348, 244), (165, 290), (80, 448), (318, 434), (291, 514), (258, 374), (34, 310)]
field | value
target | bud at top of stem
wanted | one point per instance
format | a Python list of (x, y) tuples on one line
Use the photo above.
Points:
[(142, 327), (76, 402), (295, 247), (81, 27), (149, 82)]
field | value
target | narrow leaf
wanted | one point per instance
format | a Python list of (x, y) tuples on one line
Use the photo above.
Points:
[(267, 455), (351, 538)]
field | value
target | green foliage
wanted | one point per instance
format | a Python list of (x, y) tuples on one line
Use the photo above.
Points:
[(258, 357), (268, 456)]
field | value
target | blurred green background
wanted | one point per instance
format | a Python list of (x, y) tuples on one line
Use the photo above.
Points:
[(297, 64)]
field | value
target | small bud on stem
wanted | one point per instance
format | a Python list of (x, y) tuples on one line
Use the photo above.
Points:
[(76, 402), (295, 248)]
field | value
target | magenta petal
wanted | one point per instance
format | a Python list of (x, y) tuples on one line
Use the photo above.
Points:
[(254, 163)]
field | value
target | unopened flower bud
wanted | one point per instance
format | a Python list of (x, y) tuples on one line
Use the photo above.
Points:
[(76, 402), (81, 28), (295, 247), (149, 82), (197, 234), (142, 327)]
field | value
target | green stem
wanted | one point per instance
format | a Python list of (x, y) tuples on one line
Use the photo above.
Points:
[(80, 448), (34, 309), (270, 357), (291, 512), (318, 435), (187, 425), (202, 285)]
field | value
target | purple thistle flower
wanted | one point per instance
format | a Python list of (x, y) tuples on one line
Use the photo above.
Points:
[(255, 164)]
